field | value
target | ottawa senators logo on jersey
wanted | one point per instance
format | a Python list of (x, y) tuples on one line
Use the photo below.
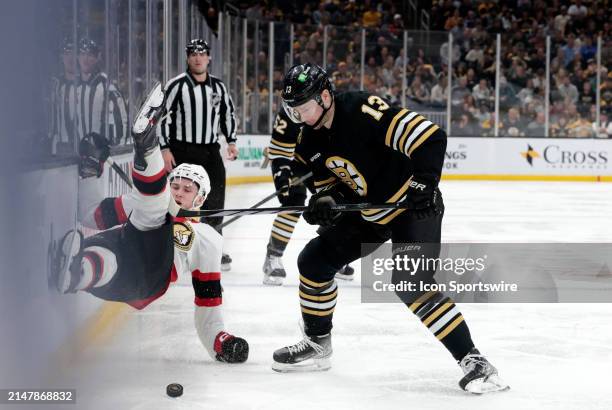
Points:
[(183, 236), (348, 174)]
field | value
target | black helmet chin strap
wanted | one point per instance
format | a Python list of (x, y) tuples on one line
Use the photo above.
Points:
[(320, 102)]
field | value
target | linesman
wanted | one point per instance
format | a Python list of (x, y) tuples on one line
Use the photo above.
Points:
[(199, 107)]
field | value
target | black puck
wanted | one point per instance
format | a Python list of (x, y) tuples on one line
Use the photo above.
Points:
[(174, 390)]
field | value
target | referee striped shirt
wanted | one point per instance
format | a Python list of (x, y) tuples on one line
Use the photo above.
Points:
[(99, 103), (63, 106), (198, 111)]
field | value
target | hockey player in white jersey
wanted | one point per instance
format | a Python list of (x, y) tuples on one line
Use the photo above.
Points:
[(143, 249)]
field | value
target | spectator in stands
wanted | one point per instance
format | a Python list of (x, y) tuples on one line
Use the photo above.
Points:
[(459, 92), (527, 93), (388, 73), (475, 57), (371, 17), (559, 128), (514, 125), (605, 127), (561, 20), (566, 89), (580, 127), (536, 128), (570, 49), (439, 92), (586, 99), (342, 77), (465, 126), (417, 90), (482, 91)]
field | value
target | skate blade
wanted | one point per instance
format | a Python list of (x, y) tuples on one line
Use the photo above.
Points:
[(70, 247), (492, 384), (345, 277), (271, 281), (311, 365)]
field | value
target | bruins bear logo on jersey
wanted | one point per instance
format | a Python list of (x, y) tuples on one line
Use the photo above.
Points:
[(183, 236), (348, 174)]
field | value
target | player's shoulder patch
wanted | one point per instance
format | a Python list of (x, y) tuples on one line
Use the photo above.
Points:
[(183, 236)]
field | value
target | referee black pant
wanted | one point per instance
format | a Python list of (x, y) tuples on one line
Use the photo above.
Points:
[(208, 156)]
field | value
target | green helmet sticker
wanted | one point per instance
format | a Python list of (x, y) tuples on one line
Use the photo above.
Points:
[(302, 77)]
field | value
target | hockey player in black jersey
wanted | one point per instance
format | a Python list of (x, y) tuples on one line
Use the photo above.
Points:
[(360, 149), (285, 170)]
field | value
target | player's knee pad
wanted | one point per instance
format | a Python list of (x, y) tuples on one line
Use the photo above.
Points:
[(315, 262)]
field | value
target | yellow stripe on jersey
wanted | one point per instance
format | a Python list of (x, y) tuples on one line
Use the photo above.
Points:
[(299, 158), (422, 139), (390, 217), (282, 144), (408, 130), (392, 126), (400, 192), (324, 182), (274, 152)]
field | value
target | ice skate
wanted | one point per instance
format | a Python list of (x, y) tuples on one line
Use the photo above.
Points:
[(145, 139), (480, 375), (274, 272), (65, 269), (346, 273), (311, 354), (226, 262)]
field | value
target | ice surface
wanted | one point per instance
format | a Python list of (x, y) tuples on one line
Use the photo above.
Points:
[(554, 356)]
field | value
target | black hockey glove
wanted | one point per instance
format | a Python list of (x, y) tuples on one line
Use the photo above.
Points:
[(282, 182), (320, 210), (231, 349), (94, 150), (423, 198)]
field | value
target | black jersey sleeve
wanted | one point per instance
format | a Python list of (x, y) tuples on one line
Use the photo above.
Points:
[(282, 143), (408, 132)]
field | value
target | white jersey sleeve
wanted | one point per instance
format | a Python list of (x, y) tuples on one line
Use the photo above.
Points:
[(197, 250)]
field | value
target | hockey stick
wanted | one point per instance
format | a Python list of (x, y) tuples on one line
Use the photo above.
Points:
[(269, 197), (177, 211), (119, 171)]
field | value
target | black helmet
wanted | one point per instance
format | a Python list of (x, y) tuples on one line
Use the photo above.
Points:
[(197, 45), (87, 45), (304, 82)]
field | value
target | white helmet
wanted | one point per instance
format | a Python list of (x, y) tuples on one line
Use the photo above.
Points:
[(195, 173)]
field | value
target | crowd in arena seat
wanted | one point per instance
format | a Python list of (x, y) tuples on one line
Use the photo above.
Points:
[(573, 28)]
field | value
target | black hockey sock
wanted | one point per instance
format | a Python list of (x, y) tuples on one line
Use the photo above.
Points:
[(442, 317), (317, 301), (282, 229)]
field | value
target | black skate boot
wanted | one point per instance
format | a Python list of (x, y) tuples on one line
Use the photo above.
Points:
[(311, 354), (346, 273), (143, 130), (231, 349), (65, 265), (274, 271), (480, 375)]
